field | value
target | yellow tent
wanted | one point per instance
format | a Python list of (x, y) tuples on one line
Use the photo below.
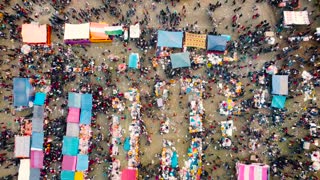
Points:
[(79, 176)]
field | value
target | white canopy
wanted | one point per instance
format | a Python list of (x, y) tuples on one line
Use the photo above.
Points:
[(76, 31), (22, 146), (296, 18), (24, 169), (135, 31)]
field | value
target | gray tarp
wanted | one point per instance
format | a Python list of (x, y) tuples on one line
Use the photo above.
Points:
[(280, 84), (22, 146), (180, 60), (72, 130), (38, 112), (37, 125)]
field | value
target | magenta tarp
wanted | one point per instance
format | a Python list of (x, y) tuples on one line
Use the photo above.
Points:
[(129, 174), (37, 159), (252, 172), (73, 115), (69, 163)]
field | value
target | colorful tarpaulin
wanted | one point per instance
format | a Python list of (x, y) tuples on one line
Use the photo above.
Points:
[(170, 39), (180, 60), (74, 100), (134, 60), (22, 146), (86, 102), (217, 43), (70, 146), (195, 40), (76, 31), (67, 175), (278, 101), (37, 141), (24, 169), (73, 115), (34, 33), (129, 174), (72, 130), (85, 117), (97, 31), (37, 159), (135, 31), (113, 30), (69, 163), (252, 172), (280, 84), (296, 18), (39, 99), (82, 162), (22, 90)]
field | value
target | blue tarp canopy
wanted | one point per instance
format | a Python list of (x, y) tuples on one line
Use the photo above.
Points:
[(74, 100), (39, 99), (67, 175), (70, 146), (85, 117), (217, 43), (38, 112), (174, 160), (82, 162), (34, 174), (180, 60), (86, 101), (37, 125), (133, 60), (278, 101), (21, 91), (280, 84), (170, 39), (37, 140), (126, 144)]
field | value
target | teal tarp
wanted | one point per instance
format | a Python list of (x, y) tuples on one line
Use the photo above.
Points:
[(85, 117), (174, 160), (82, 162), (39, 99), (180, 60), (74, 100), (170, 39), (67, 175), (86, 101), (70, 146), (278, 101), (126, 144), (133, 60)]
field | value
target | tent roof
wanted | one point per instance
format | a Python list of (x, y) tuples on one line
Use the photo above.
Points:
[(82, 162), (217, 43), (34, 173), (278, 101), (133, 60), (37, 159), (76, 31), (39, 99), (195, 40), (79, 176), (252, 171), (24, 169), (135, 31), (170, 39), (296, 18), (34, 33), (67, 175), (37, 125), (37, 140), (280, 84), (69, 163), (22, 146), (129, 174), (73, 115), (38, 112), (70, 146), (74, 100), (97, 30), (72, 130), (21, 91), (179, 60), (85, 117), (86, 101)]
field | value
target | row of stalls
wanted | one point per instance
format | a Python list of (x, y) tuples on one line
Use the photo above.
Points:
[(194, 88), (93, 32), (30, 148), (75, 148)]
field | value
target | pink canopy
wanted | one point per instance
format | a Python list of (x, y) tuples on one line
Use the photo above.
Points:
[(73, 115), (129, 174), (252, 172), (37, 159), (69, 163)]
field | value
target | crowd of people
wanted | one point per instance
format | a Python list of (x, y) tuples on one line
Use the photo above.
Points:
[(52, 66)]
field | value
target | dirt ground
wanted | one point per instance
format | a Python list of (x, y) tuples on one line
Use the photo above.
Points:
[(178, 125)]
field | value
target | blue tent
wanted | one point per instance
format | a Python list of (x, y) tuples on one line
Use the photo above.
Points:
[(174, 160), (180, 60), (85, 117), (70, 146), (278, 101), (37, 140), (133, 60), (280, 84), (82, 162), (37, 125), (21, 91), (39, 99), (38, 112), (67, 175), (217, 43), (86, 101), (126, 144), (74, 100), (34, 173), (170, 39)]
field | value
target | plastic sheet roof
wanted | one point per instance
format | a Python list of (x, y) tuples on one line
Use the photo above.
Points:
[(82, 162), (73, 115), (37, 159), (278, 101), (134, 60), (217, 43), (70, 146), (170, 39), (296, 18), (180, 60), (34, 33), (22, 146), (21, 91), (37, 141), (69, 163), (280, 84), (76, 31), (74, 100), (86, 101)]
